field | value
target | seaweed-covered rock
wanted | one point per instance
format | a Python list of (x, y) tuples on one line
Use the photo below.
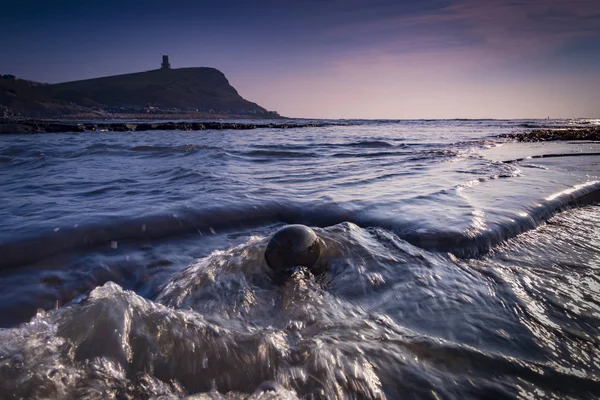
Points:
[(20, 126), (541, 135)]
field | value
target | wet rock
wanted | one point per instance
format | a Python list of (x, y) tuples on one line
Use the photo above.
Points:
[(292, 246), (268, 386), (120, 127), (63, 128), (166, 126), (184, 126), (8, 126), (542, 135), (143, 127)]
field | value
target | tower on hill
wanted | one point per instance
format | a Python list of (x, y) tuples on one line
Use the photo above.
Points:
[(165, 64)]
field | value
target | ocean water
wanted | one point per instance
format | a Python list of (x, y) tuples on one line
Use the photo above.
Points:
[(458, 264)]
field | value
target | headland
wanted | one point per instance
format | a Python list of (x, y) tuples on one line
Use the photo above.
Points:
[(165, 93)]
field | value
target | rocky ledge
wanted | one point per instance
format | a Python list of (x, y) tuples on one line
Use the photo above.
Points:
[(542, 135), (9, 126)]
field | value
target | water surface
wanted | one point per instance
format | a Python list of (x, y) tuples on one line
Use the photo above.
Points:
[(459, 264)]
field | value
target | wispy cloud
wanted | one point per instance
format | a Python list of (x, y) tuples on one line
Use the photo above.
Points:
[(528, 25), (514, 28), (468, 58)]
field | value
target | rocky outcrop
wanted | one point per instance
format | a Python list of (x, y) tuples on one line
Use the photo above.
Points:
[(157, 92), (542, 135), (11, 126)]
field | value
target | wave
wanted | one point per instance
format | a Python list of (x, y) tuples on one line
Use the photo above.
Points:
[(185, 148), (558, 155), (153, 227), (411, 155), (99, 148), (360, 143), (469, 244), (374, 154), (385, 310), (369, 143), (279, 154), (532, 125), (281, 146)]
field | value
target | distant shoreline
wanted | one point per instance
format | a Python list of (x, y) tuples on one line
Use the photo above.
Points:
[(32, 126), (158, 116), (195, 122)]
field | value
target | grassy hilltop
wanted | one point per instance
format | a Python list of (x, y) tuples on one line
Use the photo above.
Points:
[(184, 90)]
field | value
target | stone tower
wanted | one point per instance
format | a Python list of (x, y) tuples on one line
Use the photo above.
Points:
[(165, 64)]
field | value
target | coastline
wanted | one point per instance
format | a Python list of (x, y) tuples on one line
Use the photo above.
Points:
[(34, 126), (195, 122)]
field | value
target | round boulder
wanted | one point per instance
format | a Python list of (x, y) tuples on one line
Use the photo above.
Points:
[(293, 246)]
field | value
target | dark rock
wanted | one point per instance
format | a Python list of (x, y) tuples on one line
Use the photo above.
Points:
[(103, 127), (292, 246), (9, 125), (268, 386), (120, 127), (542, 135), (63, 128), (184, 126), (166, 126), (143, 127)]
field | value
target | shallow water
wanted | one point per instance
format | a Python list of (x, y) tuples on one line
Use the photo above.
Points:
[(132, 263)]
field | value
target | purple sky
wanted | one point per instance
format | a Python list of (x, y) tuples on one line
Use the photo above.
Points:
[(331, 58)]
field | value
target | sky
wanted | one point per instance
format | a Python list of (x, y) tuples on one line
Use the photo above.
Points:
[(331, 58)]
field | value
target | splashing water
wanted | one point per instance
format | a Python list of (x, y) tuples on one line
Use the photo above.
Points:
[(441, 277)]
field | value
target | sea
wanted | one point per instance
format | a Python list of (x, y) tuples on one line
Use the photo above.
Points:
[(458, 263)]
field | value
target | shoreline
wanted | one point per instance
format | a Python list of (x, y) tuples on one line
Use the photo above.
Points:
[(10, 125)]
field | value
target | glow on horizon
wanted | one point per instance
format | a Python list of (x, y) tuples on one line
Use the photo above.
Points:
[(333, 58), (436, 88)]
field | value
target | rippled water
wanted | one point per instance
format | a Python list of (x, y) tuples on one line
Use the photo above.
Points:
[(132, 263)]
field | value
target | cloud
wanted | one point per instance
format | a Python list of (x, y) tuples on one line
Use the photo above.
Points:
[(528, 25), (466, 59), (513, 28)]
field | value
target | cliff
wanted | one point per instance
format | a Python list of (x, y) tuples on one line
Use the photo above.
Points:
[(166, 90)]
